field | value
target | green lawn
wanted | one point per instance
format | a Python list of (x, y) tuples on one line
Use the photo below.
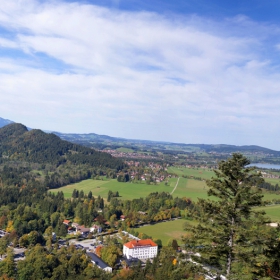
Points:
[(165, 230)]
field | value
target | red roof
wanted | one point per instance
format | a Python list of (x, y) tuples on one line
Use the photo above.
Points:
[(138, 243)]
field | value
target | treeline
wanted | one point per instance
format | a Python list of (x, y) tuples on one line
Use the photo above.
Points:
[(269, 187), (192, 177), (153, 208), (49, 176)]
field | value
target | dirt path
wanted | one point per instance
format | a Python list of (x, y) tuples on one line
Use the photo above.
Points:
[(175, 186)]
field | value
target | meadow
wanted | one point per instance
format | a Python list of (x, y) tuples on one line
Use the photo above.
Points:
[(272, 211), (166, 231), (188, 188), (205, 174), (102, 187)]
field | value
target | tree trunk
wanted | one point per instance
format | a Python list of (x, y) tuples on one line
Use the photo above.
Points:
[(230, 244)]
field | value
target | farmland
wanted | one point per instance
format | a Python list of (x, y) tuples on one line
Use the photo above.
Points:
[(126, 190), (186, 188), (202, 173), (189, 188)]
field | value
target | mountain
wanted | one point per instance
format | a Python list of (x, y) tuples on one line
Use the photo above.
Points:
[(18, 143), (104, 141), (4, 122), (100, 142)]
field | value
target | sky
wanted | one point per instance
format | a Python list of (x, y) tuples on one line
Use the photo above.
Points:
[(184, 71)]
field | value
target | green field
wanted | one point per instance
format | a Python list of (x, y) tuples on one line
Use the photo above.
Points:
[(273, 181), (189, 188), (272, 211), (186, 188), (165, 230), (126, 190), (174, 229), (196, 172), (125, 150)]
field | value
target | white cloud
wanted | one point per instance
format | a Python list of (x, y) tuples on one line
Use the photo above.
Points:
[(137, 74)]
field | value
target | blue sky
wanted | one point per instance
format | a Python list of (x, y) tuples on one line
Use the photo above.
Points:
[(182, 71)]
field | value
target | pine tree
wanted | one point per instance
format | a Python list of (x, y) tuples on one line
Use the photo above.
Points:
[(231, 235)]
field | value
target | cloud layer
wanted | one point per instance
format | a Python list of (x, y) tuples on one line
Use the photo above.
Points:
[(75, 67)]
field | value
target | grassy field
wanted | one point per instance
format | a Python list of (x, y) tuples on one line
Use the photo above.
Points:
[(126, 190), (165, 230), (174, 229), (186, 188), (189, 188), (272, 211), (125, 150), (196, 172), (273, 181)]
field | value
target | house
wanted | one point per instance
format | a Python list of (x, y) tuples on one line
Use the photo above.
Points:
[(75, 225), (96, 228), (83, 230), (99, 262), (140, 249), (66, 222)]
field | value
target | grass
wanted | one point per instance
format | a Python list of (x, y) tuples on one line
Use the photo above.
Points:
[(273, 181), (196, 172), (189, 188), (186, 188), (272, 211), (126, 190), (166, 230)]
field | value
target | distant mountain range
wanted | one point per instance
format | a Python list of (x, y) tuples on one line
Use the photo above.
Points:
[(4, 122), (103, 141)]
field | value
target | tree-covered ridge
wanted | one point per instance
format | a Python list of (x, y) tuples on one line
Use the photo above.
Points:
[(17, 143)]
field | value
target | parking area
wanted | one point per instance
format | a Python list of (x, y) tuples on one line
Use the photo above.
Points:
[(88, 244)]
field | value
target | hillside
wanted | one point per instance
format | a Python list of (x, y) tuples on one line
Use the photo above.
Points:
[(17, 143)]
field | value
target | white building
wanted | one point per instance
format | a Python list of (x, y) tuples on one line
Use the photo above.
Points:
[(99, 262), (140, 249)]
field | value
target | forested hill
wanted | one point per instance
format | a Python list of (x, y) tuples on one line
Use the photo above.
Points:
[(17, 143)]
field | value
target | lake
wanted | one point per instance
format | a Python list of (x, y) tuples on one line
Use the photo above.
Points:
[(265, 165)]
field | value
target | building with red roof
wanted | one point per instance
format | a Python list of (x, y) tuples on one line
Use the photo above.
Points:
[(140, 249)]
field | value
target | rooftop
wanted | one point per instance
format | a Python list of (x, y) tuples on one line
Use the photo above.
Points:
[(99, 262), (139, 243)]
